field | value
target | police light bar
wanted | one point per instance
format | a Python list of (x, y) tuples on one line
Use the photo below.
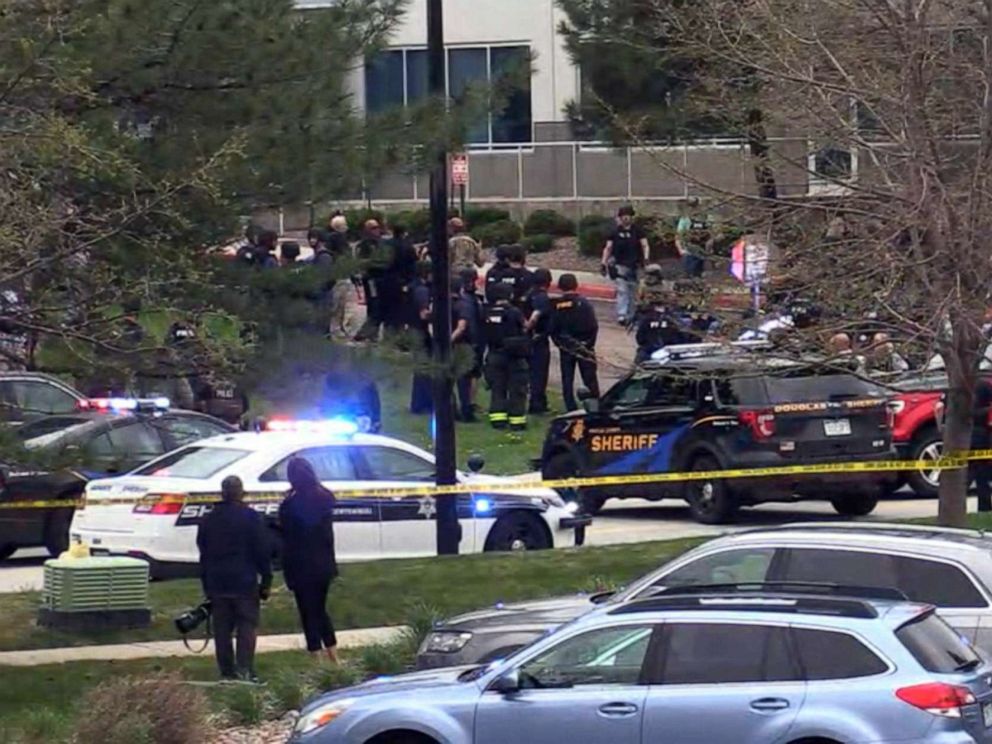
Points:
[(119, 405), (689, 351), (328, 427)]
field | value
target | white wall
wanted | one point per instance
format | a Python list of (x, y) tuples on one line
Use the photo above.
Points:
[(472, 22)]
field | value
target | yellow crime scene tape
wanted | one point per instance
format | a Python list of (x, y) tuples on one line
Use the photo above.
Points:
[(955, 461)]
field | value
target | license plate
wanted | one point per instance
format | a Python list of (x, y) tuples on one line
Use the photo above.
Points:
[(987, 714), (838, 428)]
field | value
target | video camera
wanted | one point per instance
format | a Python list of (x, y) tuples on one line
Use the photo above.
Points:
[(193, 619)]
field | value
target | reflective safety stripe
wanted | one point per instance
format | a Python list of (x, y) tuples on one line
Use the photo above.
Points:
[(499, 416), (518, 420)]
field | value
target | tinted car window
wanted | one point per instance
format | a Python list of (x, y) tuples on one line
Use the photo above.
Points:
[(28, 398), (48, 425), (715, 653), (930, 582), (188, 429), (388, 463), (137, 441), (748, 565), (605, 656), (798, 388), (193, 462), (828, 655), (936, 645), (630, 393), (330, 464)]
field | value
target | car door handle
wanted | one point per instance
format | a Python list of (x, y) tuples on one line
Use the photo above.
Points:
[(769, 705), (618, 710)]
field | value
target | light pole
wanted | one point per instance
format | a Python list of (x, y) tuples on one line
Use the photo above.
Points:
[(448, 529)]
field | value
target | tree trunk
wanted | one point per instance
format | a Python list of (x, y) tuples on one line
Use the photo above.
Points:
[(962, 377), (757, 139)]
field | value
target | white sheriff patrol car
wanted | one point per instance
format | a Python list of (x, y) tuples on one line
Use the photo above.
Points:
[(153, 512)]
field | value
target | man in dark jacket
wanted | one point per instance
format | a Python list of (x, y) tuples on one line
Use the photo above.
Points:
[(236, 570), (574, 329)]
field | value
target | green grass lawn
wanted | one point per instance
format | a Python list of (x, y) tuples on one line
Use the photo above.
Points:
[(379, 593)]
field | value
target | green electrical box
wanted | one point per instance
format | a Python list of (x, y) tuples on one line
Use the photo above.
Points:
[(95, 594)]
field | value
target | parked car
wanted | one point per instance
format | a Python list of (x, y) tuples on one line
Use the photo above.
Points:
[(951, 569), (96, 441), (25, 396), (708, 666), (710, 407)]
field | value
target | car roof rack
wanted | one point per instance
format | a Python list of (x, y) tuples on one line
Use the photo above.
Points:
[(808, 588), (772, 602), (879, 527)]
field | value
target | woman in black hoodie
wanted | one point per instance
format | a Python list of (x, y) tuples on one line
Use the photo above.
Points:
[(306, 517)]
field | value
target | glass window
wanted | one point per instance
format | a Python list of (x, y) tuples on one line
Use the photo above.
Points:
[(417, 80), (631, 393), (929, 582), (184, 430), (387, 463), (511, 67), (100, 447), (468, 70), (609, 656), (833, 163), (48, 425), (729, 567), (826, 655), (384, 82), (137, 441), (937, 646), (330, 464), (34, 398), (193, 462), (804, 387), (715, 653)]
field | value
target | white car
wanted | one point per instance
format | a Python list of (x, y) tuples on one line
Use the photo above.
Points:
[(146, 514)]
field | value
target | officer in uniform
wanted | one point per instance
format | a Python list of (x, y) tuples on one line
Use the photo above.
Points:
[(574, 329), (499, 271), (507, 369), (657, 328), (419, 324), (539, 325), (520, 277)]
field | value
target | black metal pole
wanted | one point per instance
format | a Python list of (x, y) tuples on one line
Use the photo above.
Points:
[(461, 195), (448, 529)]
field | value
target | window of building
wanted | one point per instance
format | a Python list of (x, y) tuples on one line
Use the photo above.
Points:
[(398, 78)]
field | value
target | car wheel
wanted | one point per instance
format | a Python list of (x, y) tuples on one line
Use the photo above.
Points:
[(7, 550), (711, 501), (860, 505), (927, 447), (563, 465), (57, 532), (517, 533)]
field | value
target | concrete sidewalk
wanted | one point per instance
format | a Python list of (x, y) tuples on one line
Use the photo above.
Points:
[(347, 639)]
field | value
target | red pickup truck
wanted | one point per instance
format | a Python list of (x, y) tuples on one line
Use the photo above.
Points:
[(914, 431)]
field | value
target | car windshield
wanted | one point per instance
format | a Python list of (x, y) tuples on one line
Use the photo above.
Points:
[(193, 462)]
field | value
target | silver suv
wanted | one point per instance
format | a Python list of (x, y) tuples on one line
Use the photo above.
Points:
[(951, 569)]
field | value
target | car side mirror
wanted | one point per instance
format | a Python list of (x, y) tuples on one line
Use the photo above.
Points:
[(476, 463), (592, 405), (507, 684)]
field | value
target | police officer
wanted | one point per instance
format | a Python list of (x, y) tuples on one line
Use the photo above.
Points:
[(519, 277), (419, 318), (657, 328), (499, 272), (461, 344), (376, 258), (236, 571), (475, 306), (507, 369), (574, 329), (539, 325)]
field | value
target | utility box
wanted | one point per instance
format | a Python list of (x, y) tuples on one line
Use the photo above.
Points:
[(95, 594)]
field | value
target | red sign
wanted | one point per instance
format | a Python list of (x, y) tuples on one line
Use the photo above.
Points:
[(459, 169)]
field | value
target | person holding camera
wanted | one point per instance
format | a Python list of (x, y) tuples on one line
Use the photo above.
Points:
[(306, 518), (236, 570)]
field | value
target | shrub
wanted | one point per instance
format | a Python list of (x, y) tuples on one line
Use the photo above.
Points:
[(248, 705), (594, 231), (498, 233), (416, 221), (539, 243), (485, 216), (549, 222), (160, 709)]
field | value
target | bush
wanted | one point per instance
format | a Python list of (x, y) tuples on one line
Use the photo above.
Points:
[(539, 243), (594, 231), (549, 222), (416, 221), (485, 216), (160, 709), (248, 705), (503, 232)]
